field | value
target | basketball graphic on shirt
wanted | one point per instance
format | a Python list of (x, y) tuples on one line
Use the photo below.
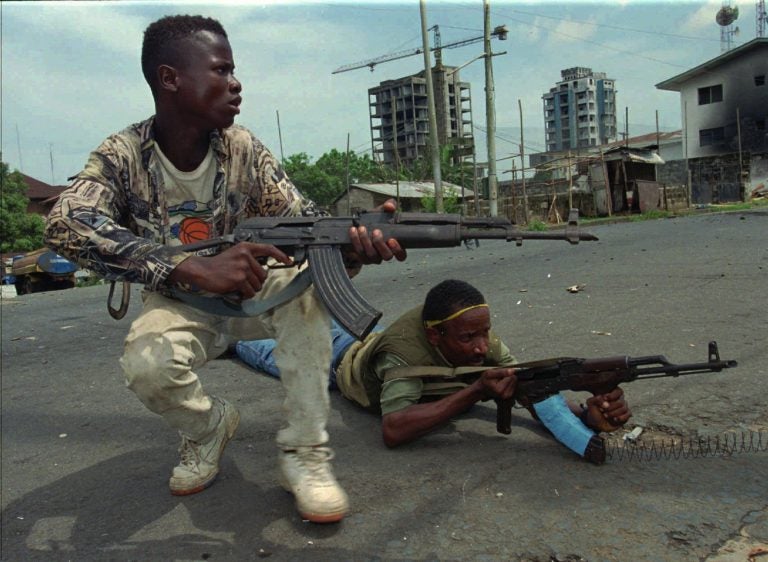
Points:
[(193, 229)]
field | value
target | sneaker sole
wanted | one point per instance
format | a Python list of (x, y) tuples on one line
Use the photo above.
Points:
[(196, 489), (333, 517), (231, 428), (325, 518)]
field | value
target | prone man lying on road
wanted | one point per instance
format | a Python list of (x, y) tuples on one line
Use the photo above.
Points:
[(451, 329)]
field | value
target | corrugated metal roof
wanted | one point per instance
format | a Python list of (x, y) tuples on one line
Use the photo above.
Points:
[(618, 153), (411, 189), (633, 155), (560, 158)]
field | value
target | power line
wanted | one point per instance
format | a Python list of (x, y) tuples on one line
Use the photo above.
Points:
[(601, 45), (617, 27)]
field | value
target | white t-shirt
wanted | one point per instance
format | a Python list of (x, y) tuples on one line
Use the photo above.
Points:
[(190, 199)]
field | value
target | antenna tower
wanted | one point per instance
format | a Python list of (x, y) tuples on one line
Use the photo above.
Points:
[(760, 18), (725, 17)]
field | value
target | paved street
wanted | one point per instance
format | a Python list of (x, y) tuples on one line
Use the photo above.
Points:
[(85, 466)]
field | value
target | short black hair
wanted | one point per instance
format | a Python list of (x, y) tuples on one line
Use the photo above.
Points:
[(448, 297), (161, 40)]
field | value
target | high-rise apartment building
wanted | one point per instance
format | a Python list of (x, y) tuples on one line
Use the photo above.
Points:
[(402, 104), (580, 111)]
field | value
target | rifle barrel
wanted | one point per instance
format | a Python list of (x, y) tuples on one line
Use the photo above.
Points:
[(685, 369), (512, 233)]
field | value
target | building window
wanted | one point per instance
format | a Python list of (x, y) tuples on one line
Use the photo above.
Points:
[(708, 137), (760, 80), (710, 94), (760, 124)]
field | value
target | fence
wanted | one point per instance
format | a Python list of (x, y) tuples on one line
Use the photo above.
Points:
[(550, 202)]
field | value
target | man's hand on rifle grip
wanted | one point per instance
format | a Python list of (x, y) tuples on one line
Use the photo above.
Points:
[(235, 270), (498, 383), (371, 247), (607, 411)]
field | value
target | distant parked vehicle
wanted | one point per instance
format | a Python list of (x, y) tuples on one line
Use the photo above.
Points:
[(42, 270)]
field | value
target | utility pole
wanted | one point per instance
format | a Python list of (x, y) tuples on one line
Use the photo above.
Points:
[(433, 134), (397, 151), (522, 161), (570, 182), (50, 148), (626, 126), (346, 178), (490, 114), (658, 151), (280, 136), (742, 194)]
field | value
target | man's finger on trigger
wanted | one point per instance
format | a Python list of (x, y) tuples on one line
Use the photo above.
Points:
[(279, 255)]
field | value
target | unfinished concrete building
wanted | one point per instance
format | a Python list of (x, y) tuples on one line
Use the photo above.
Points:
[(401, 105), (580, 111)]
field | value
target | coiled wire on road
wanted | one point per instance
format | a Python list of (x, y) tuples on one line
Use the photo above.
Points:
[(727, 444)]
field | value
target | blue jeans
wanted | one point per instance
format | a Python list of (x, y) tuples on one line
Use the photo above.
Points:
[(259, 353)]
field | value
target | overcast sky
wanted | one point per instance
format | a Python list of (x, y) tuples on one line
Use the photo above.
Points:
[(71, 72)]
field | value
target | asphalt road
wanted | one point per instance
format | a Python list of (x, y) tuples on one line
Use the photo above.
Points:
[(85, 466)]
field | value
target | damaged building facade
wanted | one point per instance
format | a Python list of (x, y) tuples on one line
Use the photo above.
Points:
[(402, 105), (724, 108)]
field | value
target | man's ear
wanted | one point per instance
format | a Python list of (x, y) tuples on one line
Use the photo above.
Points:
[(433, 335), (167, 78)]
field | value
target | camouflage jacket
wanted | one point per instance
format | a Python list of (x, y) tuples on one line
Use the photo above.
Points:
[(113, 217)]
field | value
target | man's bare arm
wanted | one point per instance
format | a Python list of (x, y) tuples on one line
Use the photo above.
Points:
[(417, 420)]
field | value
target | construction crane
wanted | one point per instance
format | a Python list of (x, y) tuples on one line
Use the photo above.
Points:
[(500, 32)]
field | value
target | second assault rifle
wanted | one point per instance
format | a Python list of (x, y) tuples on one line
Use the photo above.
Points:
[(541, 380), (319, 241), (538, 381)]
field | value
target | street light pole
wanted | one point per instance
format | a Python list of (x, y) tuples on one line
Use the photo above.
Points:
[(433, 133), (490, 115)]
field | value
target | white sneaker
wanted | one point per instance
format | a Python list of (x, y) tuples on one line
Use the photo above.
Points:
[(306, 473), (199, 463)]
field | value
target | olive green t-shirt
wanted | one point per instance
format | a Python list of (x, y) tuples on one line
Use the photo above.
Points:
[(361, 374)]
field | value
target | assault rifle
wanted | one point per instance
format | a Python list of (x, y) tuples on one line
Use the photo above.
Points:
[(538, 380), (319, 240)]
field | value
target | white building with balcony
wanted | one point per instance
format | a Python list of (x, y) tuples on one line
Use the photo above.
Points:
[(580, 111)]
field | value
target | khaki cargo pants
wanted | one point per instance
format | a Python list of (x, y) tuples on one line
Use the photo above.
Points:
[(170, 340)]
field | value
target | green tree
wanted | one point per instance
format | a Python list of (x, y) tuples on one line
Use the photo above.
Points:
[(458, 174), (19, 231), (312, 181), (326, 179)]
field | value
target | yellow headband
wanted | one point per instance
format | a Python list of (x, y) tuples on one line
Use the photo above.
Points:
[(431, 323)]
